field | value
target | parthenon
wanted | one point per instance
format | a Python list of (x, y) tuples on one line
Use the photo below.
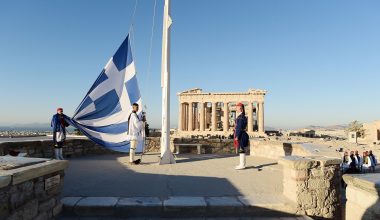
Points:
[(204, 114)]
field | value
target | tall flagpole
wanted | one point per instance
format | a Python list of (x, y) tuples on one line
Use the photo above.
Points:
[(166, 155)]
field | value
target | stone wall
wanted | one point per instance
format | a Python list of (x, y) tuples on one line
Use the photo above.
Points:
[(276, 150), (362, 193), (82, 146), (313, 183), (72, 148), (45, 149), (152, 144), (211, 146), (27, 192)]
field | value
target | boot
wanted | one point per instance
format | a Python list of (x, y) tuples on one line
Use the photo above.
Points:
[(132, 156), (242, 162), (61, 154), (56, 152)]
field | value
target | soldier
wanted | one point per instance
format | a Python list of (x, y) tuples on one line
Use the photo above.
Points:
[(59, 124), (241, 135), (135, 126)]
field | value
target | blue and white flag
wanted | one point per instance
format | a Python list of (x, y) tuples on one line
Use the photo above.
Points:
[(103, 114)]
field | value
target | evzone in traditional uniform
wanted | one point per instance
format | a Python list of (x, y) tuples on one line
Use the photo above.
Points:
[(59, 124), (135, 126), (241, 135)]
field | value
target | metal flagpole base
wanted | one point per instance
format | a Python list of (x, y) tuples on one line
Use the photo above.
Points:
[(167, 158)]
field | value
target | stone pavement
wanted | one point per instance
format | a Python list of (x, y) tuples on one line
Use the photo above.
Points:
[(198, 186), (177, 207), (193, 175)]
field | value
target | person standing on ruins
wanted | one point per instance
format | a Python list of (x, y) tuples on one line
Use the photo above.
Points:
[(59, 124), (241, 135)]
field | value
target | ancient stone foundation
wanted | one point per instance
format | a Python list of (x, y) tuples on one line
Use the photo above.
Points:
[(362, 193), (30, 188), (313, 183)]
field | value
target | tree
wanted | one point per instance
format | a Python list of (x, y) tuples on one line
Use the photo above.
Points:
[(357, 127)]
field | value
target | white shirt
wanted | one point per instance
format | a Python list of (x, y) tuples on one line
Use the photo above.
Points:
[(135, 127)]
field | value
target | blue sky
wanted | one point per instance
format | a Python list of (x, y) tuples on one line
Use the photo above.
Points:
[(319, 60)]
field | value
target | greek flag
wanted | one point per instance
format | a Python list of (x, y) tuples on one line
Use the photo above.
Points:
[(103, 114)]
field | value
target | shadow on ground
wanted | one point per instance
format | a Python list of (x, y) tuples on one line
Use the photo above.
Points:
[(106, 176), (186, 158), (260, 167)]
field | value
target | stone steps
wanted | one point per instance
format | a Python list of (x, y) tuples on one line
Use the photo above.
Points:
[(269, 206)]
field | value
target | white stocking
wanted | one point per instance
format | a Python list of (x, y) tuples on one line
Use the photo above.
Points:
[(56, 152), (60, 154)]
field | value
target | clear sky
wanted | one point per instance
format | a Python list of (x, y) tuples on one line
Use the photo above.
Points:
[(319, 60)]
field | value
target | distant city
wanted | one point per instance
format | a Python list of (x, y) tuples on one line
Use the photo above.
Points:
[(37, 130), (16, 131)]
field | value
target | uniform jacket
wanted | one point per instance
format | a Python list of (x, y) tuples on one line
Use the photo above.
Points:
[(59, 124), (240, 133)]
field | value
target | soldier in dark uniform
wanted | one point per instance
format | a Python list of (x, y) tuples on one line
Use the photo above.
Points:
[(241, 135), (59, 124)]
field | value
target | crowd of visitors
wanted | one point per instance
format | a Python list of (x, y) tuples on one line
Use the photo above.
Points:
[(356, 163)]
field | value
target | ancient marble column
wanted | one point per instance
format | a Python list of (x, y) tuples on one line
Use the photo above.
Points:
[(184, 128), (196, 116), (202, 116), (250, 117), (180, 111), (184, 117), (190, 117), (261, 117), (225, 119), (213, 117)]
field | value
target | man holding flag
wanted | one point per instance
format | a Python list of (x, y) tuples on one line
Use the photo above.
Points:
[(59, 124), (135, 129)]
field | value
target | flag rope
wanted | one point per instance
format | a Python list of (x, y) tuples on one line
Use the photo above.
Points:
[(146, 89)]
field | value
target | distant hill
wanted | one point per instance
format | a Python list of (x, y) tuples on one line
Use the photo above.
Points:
[(267, 128), (331, 127)]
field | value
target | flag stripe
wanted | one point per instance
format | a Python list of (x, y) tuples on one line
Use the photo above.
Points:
[(110, 129)]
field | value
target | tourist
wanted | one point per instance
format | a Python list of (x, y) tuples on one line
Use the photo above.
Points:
[(373, 160), (352, 164), (241, 135), (59, 125), (358, 161), (135, 126), (367, 163), (346, 160)]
